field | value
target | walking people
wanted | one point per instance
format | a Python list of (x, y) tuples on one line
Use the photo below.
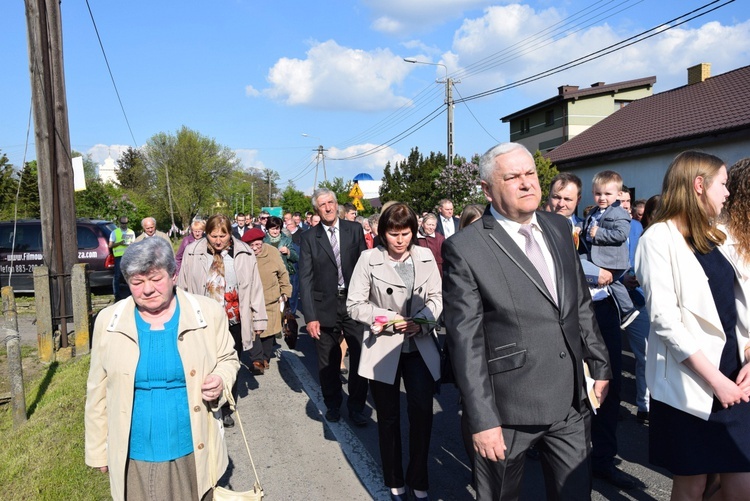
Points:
[(225, 269), (396, 293), (696, 365)]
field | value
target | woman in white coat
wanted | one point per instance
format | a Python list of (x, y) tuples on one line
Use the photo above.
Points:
[(396, 292), (696, 366)]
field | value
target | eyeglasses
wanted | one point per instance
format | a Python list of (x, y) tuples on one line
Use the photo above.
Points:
[(262, 217)]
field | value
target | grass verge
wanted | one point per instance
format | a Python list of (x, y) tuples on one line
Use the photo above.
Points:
[(44, 459)]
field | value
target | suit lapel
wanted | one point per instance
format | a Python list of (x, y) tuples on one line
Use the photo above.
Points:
[(509, 247), (550, 238), (324, 243)]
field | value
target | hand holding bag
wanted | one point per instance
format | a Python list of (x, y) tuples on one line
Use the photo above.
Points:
[(222, 493)]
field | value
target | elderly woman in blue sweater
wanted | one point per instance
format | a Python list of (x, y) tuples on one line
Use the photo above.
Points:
[(160, 363)]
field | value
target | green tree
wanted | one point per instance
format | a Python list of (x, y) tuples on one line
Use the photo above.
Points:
[(413, 181), (28, 197), (195, 165), (293, 200), (545, 171), (340, 187), (132, 173), (104, 201), (8, 187)]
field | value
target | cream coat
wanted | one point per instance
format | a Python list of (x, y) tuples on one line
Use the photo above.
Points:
[(196, 262), (377, 290), (205, 347), (275, 278), (683, 317)]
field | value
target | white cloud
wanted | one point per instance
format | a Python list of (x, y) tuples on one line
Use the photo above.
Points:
[(501, 40), (399, 16), (373, 163), (339, 78), (249, 159), (251, 91), (100, 152), (387, 25)]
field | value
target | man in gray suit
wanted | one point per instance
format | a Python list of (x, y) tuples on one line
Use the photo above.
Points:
[(520, 325)]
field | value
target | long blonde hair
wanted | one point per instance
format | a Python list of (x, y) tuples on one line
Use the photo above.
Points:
[(681, 203)]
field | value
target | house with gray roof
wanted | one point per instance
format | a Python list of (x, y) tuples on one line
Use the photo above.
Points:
[(640, 140)]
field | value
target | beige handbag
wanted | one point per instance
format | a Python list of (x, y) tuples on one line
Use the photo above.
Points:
[(222, 493)]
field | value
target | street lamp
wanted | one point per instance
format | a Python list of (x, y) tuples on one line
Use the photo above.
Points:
[(448, 101), (320, 157)]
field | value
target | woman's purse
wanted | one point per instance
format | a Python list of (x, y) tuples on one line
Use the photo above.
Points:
[(222, 493)]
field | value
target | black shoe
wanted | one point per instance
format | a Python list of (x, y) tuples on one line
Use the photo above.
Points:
[(357, 418), (399, 497), (616, 477), (344, 370), (228, 421), (333, 415), (642, 417)]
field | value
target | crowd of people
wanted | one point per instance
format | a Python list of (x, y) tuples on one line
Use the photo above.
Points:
[(534, 303)]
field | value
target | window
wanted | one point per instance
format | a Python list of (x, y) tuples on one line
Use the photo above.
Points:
[(549, 118), (525, 125), (86, 238), (621, 104)]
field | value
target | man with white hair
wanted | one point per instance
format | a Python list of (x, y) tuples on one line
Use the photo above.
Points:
[(149, 230)]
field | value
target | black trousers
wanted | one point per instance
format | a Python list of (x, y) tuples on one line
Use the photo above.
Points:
[(604, 422), (329, 361), (563, 451), (419, 387), (236, 332)]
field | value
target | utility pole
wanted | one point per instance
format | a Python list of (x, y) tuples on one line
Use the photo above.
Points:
[(52, 137), (320, 158), (268, 174), (448, 102)]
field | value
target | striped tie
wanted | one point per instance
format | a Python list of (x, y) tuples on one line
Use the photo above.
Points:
[(337, 255)]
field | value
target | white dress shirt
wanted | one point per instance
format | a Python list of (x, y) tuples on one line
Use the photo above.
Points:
[(512, 227)]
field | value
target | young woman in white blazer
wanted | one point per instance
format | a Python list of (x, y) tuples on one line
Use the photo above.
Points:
[(696, 365), (397, 286)]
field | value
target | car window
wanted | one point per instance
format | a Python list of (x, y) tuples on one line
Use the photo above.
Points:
[(86, 238), (107, 228), (28, 238)]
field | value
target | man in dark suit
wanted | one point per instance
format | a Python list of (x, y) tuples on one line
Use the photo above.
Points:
[(447, 223), (520, 325), (239, 230), (328, 254)]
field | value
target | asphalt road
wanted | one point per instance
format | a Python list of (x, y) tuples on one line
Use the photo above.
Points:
[(299, 456)]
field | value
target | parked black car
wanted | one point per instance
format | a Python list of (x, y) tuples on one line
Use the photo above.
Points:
[(17, 261)]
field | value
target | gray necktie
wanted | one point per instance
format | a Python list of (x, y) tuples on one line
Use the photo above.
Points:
[(336, 254), (534, 253)]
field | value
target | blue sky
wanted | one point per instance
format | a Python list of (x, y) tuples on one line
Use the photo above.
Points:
[(256, 75)]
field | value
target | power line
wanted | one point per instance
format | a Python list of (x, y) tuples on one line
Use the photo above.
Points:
[(602, 52), (644, 35), (111, 76), (474, 116), (399, 137)]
